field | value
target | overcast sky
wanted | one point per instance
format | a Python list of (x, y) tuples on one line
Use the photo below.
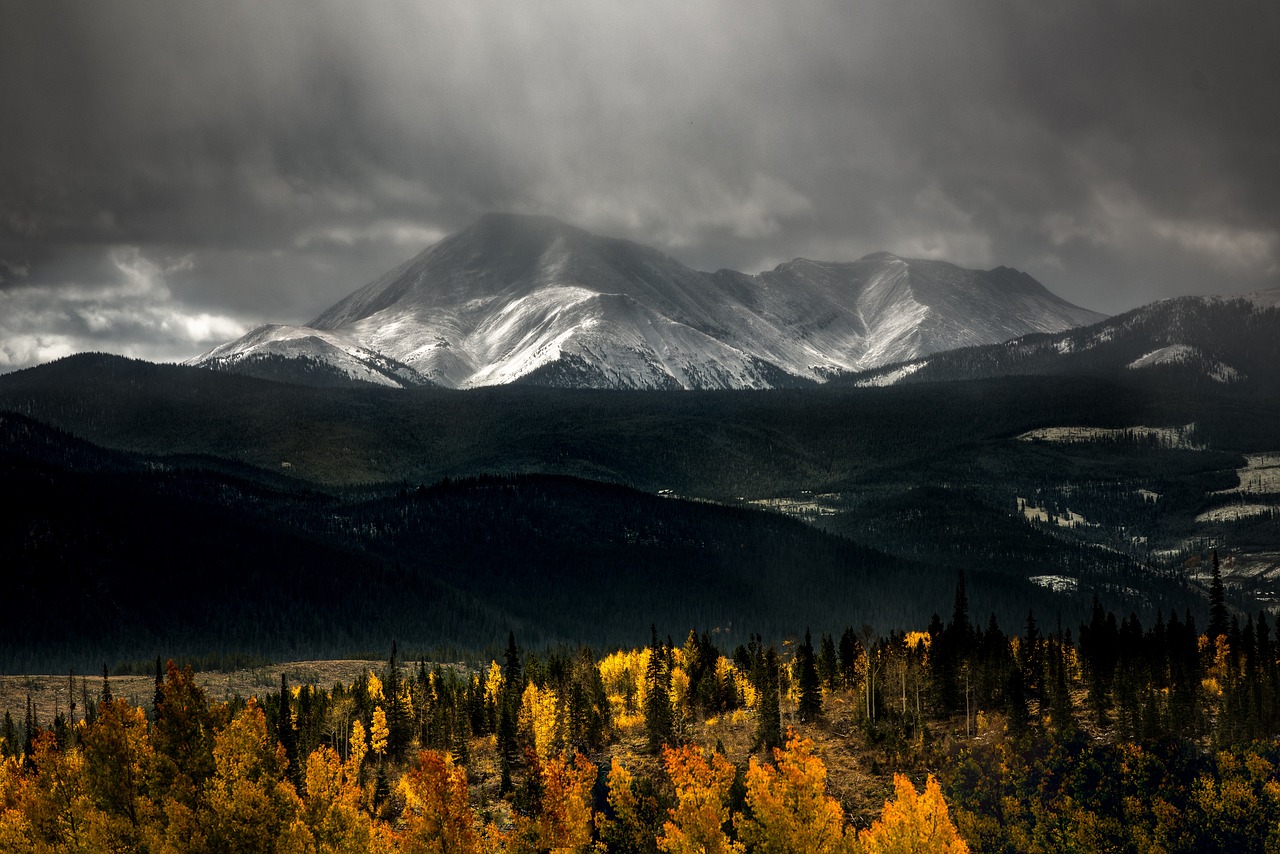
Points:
[(172, 174)]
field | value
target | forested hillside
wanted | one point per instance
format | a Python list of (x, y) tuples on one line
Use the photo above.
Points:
[(1120, 735)]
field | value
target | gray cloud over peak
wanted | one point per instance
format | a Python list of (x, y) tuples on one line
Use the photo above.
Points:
[(291, 151)]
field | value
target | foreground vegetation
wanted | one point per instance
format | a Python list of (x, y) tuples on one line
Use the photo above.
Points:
[(1121, 737)]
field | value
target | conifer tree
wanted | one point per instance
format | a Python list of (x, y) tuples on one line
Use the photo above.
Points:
[(509, 707), (286, 734), (768, 716), (850, 652), (828, 663), (658, 717), (1219, 616), (810, 707), (158, 697)]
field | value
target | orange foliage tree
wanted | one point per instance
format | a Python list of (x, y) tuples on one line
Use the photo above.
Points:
[(913, 823), (437, 814)]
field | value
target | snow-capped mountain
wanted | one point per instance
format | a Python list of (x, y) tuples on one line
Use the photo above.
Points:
[(531, 299), (1220, 340)]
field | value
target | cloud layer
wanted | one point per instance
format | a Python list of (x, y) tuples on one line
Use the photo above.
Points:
[(269, 158)]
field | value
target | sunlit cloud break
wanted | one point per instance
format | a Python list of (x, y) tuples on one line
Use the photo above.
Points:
[(135, 315)]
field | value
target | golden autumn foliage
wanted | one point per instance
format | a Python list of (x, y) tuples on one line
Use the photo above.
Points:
[(359, 743), (913, 823), (539, 719), (332, 811), (701, 812), (251, 807), (790, 808), (378, 732), (493, 683), (199, 777)]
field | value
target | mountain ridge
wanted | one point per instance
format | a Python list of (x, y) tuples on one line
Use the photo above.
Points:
[(512, 295)]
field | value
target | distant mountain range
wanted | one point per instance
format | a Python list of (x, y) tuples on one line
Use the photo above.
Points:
[(1226, 341), (532, 300)]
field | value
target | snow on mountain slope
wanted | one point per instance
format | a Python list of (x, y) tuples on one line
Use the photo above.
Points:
[(336, 350), (521, 298), (1221, 339), (1185, 354)]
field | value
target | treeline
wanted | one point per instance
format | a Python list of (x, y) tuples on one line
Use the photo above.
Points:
[(1114, 736)]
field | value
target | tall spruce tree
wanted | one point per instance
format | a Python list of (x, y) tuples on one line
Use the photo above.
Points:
[(509, 708), (810, 707), (1219, 616), (286, 734), (658, 717), (769, 716)]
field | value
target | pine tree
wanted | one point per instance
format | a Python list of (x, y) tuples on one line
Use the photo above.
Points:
[(768, 716), (106, 686), (810, 708), (509, 706), (658, 717), (1219, 616), (399, 718), (158, 698), (286, 734), (850, 652), (828, 663)]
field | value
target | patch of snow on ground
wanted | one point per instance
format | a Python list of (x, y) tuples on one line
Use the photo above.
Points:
[(1169, 437), (891, 377), (1056, 583), (1261, 474), (1174, 354), (1236, 512), (1070, 519), (1181, 354)]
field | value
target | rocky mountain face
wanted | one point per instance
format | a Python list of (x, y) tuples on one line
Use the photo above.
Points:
[(533, 300)]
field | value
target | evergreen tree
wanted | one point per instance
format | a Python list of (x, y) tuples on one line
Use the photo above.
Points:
[(810, 708), (286, 735), (509, 707), (828, 663), (158, 696), (29, 726), (768, 716), (10, 735), (850, 652), (1219, 616), (106, 686), (658, 718), (399, 717)]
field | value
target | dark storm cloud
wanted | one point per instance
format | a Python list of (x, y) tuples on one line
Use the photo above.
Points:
[(262, 159)]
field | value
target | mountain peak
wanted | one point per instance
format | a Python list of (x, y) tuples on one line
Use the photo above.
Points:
[(527, 297)]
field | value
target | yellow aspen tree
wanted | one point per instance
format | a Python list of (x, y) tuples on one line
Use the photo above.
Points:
[(626, 831), (378, 732), (702, 803), (540, 719), (493, 683), (251, 807), (375, 688), (790, 809), (359, 745), (332, 809), (438, 816), (913, 823)]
